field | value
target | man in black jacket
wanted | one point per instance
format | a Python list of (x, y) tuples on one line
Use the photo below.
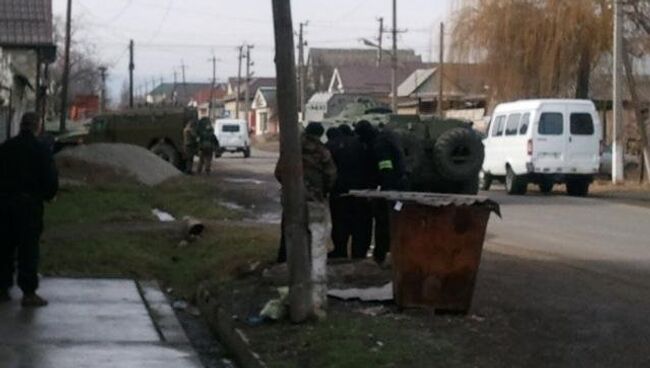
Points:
[(387, 157), (28, 177)]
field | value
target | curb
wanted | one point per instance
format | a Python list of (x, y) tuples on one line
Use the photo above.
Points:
[(220, 323)]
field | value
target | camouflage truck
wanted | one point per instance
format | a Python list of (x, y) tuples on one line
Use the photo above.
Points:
[(159, 130), (441, 155)]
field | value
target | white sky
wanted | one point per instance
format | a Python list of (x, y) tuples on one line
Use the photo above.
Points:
[(168, 31)]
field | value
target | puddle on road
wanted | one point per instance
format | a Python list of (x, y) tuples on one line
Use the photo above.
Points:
[(233, 206), (243, 181), (269, 218)]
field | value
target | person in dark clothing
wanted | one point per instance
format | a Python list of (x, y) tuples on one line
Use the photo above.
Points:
[(387, 157), (351, 217), (28, 177)]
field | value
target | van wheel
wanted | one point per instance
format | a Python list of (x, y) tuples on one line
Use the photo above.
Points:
[(218, 153), (546, 186), (247, 152), (167, 152), (484, 180), (515, 184), (578, 187)]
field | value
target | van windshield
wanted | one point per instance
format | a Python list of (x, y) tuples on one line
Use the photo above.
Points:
[(582, 124), (551, 123), (230, 128)]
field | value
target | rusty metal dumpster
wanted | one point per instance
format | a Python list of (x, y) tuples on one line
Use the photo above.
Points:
[(436, 245)]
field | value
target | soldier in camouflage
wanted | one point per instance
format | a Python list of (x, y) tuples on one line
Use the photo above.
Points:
[(207, 145), (190, 145), (319, 172)]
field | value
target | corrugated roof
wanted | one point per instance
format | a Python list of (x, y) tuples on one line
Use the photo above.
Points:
[(375, 80), (25, 23), (430, 199)]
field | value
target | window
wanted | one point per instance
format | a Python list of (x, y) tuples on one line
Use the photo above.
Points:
[(525, 121), (498, 126), (513, 124), (582, 124), (230, 128), (551, 123)]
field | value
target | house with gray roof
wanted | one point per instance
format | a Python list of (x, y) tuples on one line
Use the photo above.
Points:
[(265, 112), (26, 50)]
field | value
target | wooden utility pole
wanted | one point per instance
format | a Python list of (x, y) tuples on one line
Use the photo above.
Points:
[(638, 111), (301, 67), (102, 101), (238, 90), (617, 131), (247, 104), (174, 87), (131, 68), (66, 70), (441, 72), (294, 205), (393, 81), (380, 41)]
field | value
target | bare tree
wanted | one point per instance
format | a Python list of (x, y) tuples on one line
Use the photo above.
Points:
[(534, 48), (84, 75)]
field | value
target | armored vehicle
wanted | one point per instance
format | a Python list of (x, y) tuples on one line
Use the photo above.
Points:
[(441, 155), (159, 130)]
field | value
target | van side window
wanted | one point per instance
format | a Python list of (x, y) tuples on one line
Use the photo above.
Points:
[(551, 123), (513, 124), (230, 128), (498, 126), (525, 121), (582, 124)]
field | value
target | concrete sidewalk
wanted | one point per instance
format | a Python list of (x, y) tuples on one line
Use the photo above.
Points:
[(98, 323)]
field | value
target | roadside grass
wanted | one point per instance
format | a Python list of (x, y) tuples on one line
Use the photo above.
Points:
[(348, 339), (109, 231)]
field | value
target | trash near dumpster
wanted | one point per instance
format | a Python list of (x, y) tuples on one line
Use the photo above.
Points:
[(436, 245)]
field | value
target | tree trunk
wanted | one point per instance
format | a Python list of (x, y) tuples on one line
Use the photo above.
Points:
[(638, 113), (294, 204), (584, 74)]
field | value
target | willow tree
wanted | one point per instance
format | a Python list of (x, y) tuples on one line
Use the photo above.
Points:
[(534, 48)]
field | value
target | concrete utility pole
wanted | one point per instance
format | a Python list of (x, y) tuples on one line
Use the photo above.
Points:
[(66, 70), (380, 41), (238, 89), (441, 72), (301, 67), (174, 87), (294, 204), (393, 83), (131, 68), (617, 139), (247, 104), (102, 101), (214, 84), (638, 111)]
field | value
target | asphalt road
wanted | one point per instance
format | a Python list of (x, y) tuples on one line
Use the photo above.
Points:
[(595, 234)]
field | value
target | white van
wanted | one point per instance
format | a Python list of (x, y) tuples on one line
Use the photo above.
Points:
[(232, 135), (543, 142)]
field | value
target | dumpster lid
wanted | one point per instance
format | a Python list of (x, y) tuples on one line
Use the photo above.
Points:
[(430, 199)]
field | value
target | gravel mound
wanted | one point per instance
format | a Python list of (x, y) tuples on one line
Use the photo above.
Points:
[(141, 164)]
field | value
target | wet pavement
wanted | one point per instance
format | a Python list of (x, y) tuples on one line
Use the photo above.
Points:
[(97, 323)]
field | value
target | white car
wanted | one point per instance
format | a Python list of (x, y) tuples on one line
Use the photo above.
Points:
[(543, 142), (232, 135)]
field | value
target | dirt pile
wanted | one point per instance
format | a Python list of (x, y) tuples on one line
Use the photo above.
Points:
[(122, 159)]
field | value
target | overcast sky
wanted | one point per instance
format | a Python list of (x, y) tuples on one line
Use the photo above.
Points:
[(167, 32)]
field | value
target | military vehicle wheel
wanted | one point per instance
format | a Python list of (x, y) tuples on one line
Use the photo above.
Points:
[(484, 180), (459, 154), (515, 184), (167, 152), (470, 187)]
